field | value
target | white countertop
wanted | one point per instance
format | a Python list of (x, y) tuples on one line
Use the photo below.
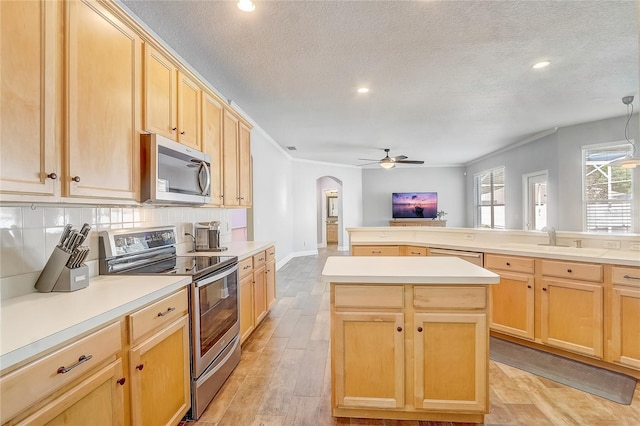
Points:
[(405, 270), (242, 249), (517, 243), (37, 322)]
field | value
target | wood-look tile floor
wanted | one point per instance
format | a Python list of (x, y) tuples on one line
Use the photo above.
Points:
[(284, 375)]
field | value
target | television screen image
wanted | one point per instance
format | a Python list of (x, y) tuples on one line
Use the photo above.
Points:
[(412, 205)]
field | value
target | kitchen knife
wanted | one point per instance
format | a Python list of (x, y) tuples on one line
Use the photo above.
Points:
[(65, 234), (85, 229)]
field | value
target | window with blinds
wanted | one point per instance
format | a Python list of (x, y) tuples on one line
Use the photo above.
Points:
[(608, 189), (490, 199)]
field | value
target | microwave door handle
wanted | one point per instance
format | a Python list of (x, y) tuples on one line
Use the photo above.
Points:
[(204, 166)]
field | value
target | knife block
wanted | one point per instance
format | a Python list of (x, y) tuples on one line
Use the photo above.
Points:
[(57, 277)]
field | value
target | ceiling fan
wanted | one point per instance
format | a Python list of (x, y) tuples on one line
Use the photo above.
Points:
[(390, 162)]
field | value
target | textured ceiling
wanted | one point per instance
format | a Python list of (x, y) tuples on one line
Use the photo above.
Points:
[(450, 81)]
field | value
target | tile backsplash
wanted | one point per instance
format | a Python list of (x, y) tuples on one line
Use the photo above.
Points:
[(29, 233)]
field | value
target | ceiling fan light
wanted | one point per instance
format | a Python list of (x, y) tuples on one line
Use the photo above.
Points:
[(387, 164)]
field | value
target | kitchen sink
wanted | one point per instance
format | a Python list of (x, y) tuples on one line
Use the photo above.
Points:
[(539, 248)]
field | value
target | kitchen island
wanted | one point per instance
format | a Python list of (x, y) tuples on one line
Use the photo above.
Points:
[(409, 338)]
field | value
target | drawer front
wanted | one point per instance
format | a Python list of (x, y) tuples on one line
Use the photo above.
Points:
[(509, 263), (259, 259), (625, 276), (576, 271), (449, 297), (369, 296), (35, 381), (245, 266), (271, 254), (415, 251), (158, 314), (376, 250)]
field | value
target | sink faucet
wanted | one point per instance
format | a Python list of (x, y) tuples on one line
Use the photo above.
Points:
[(552, 234)]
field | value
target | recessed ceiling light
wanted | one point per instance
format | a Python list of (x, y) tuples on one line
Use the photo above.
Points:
[(541, 65), (246, 5), (363, 90)]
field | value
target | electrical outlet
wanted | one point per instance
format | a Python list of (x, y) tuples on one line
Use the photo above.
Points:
[(612, 244), (382, 235), (469, 237), (634, 246)]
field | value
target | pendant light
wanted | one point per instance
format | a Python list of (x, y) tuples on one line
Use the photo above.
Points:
[(629, 161)]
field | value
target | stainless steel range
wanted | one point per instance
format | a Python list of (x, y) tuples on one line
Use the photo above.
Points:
[(215, 342)]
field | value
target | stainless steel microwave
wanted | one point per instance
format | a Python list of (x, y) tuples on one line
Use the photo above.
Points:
[(172, 173)]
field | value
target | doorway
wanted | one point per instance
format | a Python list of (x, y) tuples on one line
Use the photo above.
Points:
[(535, 200), (329, 211)]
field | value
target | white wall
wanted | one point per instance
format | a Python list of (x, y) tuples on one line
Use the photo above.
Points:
[(305, 211), (272, 193), (379, 183), (561, 154)]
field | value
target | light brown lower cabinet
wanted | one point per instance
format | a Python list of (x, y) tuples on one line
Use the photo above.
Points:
[(84, 383), (98, 398), (256, 290), (270, 276), (245, 295), (409, 351), (160, 376)]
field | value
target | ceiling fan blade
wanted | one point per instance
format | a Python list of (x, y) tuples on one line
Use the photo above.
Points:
[(410, 162), (368, 164), (399, 157), (367, 159)]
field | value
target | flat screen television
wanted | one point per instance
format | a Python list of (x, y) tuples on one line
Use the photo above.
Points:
[(414, 205)]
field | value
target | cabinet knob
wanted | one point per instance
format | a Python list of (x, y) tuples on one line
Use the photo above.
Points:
[(182, 133), (508, 264), (569, 271), (528, 286), (420, 329), (76, 178), (121, 381), (399, 328), (139, 367), (173, 129), (52, 176), (544, 289)]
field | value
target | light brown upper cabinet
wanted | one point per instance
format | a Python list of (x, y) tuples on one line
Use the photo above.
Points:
[(103, 82), (230, 128), (212, 112), (171, 100), (29, 55), (244, 165)]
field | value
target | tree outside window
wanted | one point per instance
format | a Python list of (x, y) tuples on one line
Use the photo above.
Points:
[(607, 189)]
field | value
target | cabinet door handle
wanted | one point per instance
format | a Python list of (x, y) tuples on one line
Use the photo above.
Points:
[(376, 251), (173, 129), (52, 176), (182, 133), (544, 289), (569, 270), (399, 328), (415, 252), (168, 311), (629, 277), (420, 329), (139, 367), (76, 178), (508, 264), (81, 360), (528, 286), (121, 381)]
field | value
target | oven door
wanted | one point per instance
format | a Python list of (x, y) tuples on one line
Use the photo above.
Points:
[(214, 304)]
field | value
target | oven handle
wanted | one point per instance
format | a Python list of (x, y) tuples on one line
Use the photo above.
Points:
[(216, 277)]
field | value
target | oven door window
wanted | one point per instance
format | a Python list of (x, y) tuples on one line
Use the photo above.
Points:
[(218, 303)]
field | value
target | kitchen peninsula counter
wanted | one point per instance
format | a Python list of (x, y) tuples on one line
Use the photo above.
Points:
[(409, 338)]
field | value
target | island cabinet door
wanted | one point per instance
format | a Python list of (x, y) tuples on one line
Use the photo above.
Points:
[(368, 360), (625, 336), (450, 356), (512, 305)]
